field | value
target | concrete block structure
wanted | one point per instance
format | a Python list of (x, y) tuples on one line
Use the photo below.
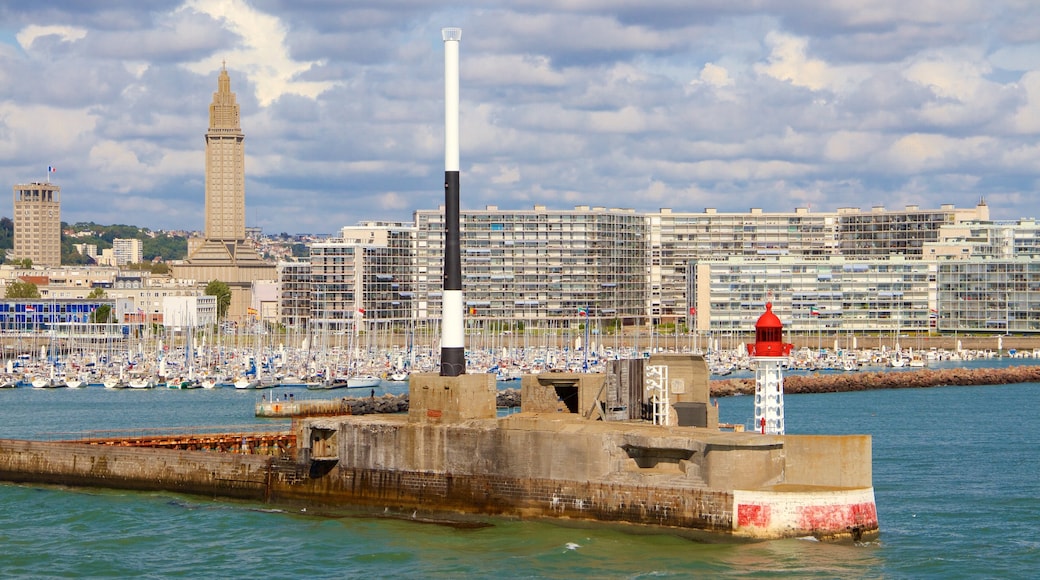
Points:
[(563, 457), (37, 223)]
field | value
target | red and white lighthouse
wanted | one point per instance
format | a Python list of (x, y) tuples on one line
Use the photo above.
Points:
[(769, 352)]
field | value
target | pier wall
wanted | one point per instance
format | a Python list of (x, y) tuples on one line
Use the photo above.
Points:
[(77, 464), (556, 465), (843, 461)]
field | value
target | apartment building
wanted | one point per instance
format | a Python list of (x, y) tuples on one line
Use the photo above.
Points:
[(538, 267), (363, 279), (825, 294), (681, 238), (294, 294), (988, 295), (127, 251)]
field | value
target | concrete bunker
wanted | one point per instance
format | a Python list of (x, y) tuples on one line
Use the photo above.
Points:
[(657, 458)]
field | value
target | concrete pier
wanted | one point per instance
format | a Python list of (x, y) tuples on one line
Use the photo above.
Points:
[(567, 455)]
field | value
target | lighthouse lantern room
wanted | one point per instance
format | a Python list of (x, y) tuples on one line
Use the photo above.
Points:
[(769, 352)]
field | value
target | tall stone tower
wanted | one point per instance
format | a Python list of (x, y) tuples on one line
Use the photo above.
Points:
[(37, 223), (225, 166), (224, 253), (225, 234)]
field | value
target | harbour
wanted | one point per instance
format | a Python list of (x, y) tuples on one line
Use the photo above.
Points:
[(948, 510)]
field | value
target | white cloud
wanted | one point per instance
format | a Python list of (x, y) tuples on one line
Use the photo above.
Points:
[(788, 61), (263, 53), (660, 103), (30, 33), (715, 76)]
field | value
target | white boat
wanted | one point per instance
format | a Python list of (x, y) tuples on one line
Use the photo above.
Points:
[(47, 383), (399, 377), (246, 383), (362, 381), (140, 383), (113, 382)]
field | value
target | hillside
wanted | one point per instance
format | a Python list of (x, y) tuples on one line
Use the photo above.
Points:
[(155, 244)]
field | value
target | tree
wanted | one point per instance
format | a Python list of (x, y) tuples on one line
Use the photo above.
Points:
[(223, 293), (22, 289), (97, 294), (101, 313), (23, 263)]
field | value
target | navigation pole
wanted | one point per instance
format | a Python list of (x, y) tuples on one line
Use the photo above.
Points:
[(453, 352)]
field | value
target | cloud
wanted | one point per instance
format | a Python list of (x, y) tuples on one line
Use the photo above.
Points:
[(262, 51), (714, 103), (28, 35)]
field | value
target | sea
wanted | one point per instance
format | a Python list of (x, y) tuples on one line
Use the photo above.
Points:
[(956, 477)]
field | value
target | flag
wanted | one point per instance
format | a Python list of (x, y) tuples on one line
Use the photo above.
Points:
[(583, 312), (693, 311), (251, 311), (813, 311), (473, 311), (51, 169), (29, 308)]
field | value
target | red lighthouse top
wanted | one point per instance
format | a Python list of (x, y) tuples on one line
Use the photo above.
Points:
[(769, 336)]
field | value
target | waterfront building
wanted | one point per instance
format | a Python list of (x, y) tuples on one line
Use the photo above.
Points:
[(185, 312), (824, 295), (59, 316), (363, 279), (987, 295), (539, 267), (882, 232), (225, 253), (294, 294), (146, 293), (679, 238), (264, 307), (1001, 240), (37, 223)]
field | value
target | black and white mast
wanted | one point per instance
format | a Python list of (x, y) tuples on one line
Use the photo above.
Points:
[(453, 351)]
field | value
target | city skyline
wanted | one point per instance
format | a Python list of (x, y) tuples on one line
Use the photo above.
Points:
[(661, 105)]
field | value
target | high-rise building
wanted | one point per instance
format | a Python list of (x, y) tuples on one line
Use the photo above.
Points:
[(225, 253), (127, 251), (363, 279), (37, 223), (539, 267)]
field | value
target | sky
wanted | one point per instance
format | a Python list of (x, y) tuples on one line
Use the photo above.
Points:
[(681, 104)]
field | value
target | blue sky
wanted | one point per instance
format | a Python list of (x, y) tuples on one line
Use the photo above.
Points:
[(685, 104)]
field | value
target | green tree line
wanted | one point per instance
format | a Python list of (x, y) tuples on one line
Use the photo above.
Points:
[(165, 246)]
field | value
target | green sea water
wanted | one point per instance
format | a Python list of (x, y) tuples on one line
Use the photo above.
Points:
[(956, 475)]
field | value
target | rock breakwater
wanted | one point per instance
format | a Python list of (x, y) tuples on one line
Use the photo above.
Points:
[(813, 383), (865, 381), (399, 403)]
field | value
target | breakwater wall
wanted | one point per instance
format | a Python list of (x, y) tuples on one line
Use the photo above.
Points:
[(358, 405), (865, 381), (145, 469)]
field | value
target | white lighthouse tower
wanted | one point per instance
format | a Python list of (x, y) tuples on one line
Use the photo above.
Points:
[(769, 353)]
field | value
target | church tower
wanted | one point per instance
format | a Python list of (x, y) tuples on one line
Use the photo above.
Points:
[(224, 252), (225, 166), (224, 242)]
